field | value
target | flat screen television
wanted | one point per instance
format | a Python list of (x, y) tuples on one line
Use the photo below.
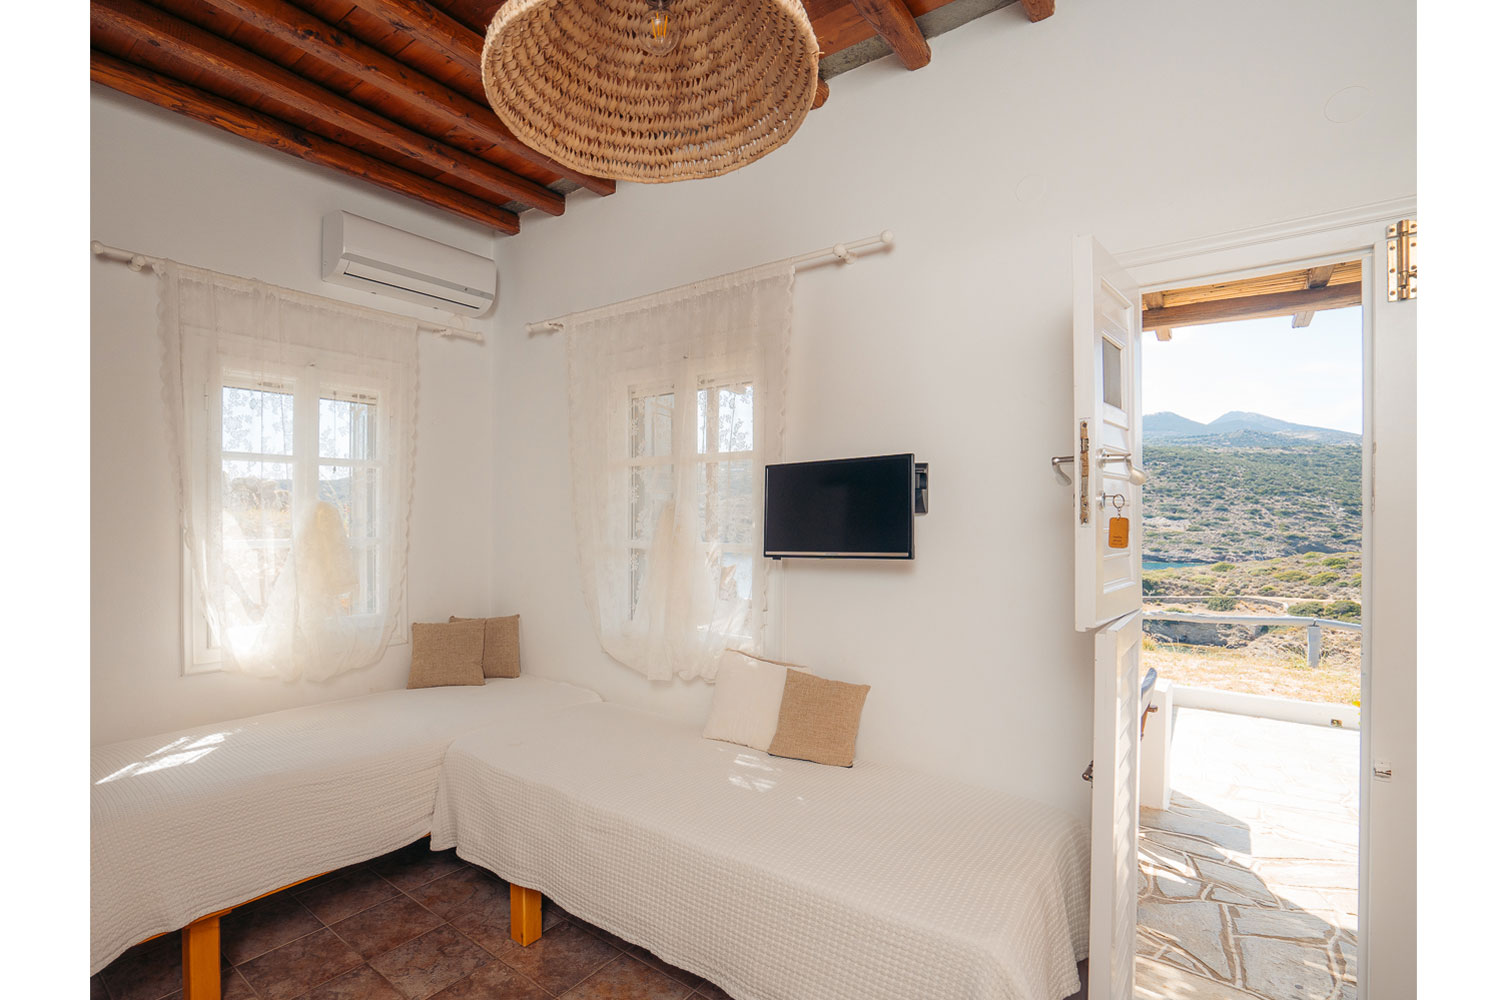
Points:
[(848, 508)]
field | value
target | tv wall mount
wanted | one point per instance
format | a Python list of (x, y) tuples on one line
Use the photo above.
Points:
[(921, 498)]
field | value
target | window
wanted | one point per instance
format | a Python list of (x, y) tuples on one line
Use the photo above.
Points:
[(293, 421), (290, 449)]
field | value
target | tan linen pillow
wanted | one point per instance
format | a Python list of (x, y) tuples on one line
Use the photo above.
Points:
[(446, 654), (819, 719), (502, 645)]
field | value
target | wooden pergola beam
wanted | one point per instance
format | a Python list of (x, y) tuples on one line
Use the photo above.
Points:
[(894, 23), (1252, 307), (337, 49), (164, 92), (1038, 10), (1317, 277), (159, 35)]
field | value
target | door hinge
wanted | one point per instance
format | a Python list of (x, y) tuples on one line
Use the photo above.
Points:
[(1401, 260)]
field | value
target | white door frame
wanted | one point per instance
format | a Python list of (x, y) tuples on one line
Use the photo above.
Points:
[(1387, 836)]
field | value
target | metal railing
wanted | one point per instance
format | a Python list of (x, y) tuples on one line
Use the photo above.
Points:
[(1314, 626)]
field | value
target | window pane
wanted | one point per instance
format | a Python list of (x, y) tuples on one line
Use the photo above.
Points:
[(257, 420), (651, 425), (650, 490), (726, 495), (256, 535), (735, 575), (354, 492), (346, 429), (726, 418)]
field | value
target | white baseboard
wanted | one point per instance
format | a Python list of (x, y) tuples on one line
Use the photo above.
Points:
[(1311, 713)]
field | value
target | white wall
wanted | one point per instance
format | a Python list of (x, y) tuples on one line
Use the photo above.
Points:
[(170, 187), (1143, 123)]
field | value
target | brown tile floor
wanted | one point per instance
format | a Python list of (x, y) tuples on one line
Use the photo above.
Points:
[(407, 926)]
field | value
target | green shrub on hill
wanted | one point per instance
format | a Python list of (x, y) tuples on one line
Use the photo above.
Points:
[(1221, 603), (1222, 567)]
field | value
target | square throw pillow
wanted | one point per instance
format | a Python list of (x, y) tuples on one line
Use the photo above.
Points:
[(502, 645), (446, 654), (747, 700), (818, 719)]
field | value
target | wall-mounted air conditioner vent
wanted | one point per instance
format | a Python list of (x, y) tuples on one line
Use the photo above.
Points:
[(389, 261)]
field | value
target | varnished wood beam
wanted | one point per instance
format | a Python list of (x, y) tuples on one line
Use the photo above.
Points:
[(431, 26), (1252, 307), (1038, 10), (894, 23), (321, 111), (154, 88), (1317, 277), (820, 97), (339, 50)]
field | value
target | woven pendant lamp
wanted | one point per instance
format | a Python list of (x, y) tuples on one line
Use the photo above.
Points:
[(651, 90)]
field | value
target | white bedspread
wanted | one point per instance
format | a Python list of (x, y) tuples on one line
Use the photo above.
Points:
[(193, 822), (776, 879)]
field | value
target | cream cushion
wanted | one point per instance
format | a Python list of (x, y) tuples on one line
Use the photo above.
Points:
[(747, 700)]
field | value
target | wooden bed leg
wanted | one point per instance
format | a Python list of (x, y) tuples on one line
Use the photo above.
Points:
[(525, 915), (200, 959)]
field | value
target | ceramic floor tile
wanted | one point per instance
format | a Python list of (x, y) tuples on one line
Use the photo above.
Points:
[(627, 978), (263, 926), (486, 922), (430, 963), (363, 983), (445, 896), (709, 991), (416, 865), (294, 968), (562, 959), (347, 895), (496, 981), (147, 971), (385, 925)]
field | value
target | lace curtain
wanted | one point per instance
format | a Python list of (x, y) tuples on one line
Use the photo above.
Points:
[(293, 427), (676, 404)]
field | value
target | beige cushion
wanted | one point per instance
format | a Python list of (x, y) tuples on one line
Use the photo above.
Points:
[(819, 719), (502, 645), (446, 654), (747, 700)]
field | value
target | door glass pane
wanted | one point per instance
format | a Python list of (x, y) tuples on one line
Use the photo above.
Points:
[(1114, 375)]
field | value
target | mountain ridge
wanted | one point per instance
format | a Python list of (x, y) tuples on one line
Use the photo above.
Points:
[(1166, 425)]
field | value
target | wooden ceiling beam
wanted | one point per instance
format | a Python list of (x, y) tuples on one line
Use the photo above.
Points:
[(893, 22), (1252, 307), (820, 96), (1039, 10), (339, 50), (427, 24), (211, 109), (312, 107)]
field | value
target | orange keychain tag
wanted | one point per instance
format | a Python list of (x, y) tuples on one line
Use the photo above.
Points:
[(1119, 532)]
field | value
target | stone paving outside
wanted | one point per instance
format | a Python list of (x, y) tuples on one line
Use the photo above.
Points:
[(1248, 883)]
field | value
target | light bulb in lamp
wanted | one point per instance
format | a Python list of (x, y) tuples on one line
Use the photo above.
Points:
[(660, 35)]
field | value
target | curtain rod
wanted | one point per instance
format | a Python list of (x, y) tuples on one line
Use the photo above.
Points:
[(842, 252), (139, 261)]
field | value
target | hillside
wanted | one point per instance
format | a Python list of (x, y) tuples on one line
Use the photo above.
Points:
[(1248, 487)]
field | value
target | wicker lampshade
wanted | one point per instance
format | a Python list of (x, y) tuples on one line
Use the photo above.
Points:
[(571, 79)]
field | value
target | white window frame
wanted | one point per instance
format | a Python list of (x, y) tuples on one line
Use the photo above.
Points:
[(311, 378), (690, 376)]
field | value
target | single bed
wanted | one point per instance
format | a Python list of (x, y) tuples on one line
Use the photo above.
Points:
[(196, 822), (776, 879)]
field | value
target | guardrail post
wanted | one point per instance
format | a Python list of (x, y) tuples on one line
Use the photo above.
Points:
[(1314, 644)]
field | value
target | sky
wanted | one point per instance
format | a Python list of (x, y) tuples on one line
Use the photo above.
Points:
[(1309, 376)]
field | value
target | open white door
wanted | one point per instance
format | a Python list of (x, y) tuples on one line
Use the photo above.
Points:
[(1107, 582), (1116, 816), (1107, 436)]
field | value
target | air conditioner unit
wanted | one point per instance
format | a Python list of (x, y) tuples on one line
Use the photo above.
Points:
[(388, 261)]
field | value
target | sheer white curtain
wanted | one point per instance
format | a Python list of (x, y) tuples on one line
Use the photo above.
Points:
[(293, 427), (676, 404)]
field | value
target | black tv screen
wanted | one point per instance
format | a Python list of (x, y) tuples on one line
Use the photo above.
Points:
[(850, 508)]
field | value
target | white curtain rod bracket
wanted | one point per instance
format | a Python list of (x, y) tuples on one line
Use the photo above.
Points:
[(844, 253), (139, 262)]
